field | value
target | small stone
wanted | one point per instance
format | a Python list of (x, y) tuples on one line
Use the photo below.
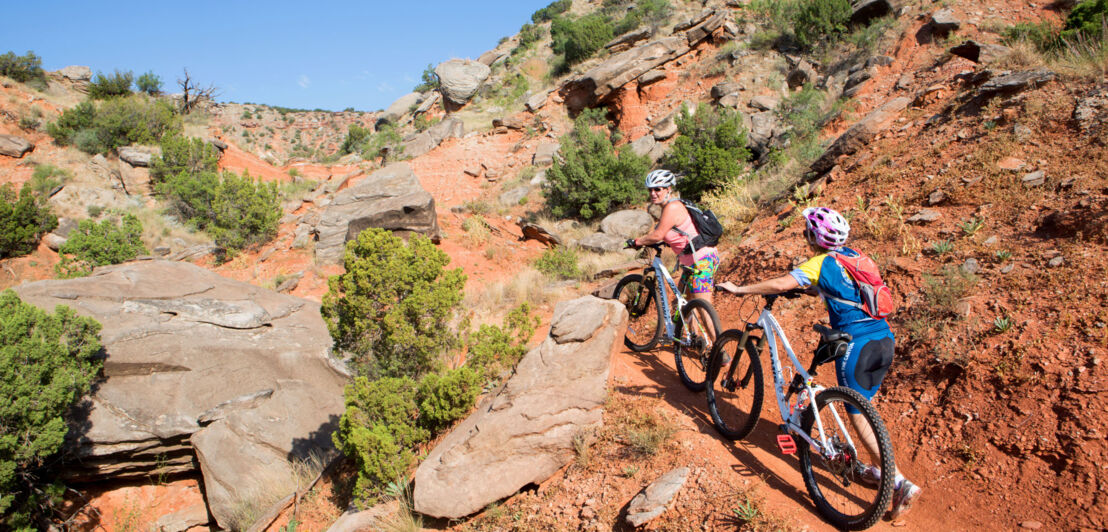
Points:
[(1056, 262), (969, 180), (1011, 163), (1007, 268), (1022, 132), (1034, 179), (963, 134), (936, 197), (1031, 525), (925, 215), (971, 266), (991, 241)]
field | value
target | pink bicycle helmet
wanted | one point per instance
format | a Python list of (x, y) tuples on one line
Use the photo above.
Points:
[(828, 228)]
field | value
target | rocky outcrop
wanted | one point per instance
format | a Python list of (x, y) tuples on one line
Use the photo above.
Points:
[(766, 131), (1003, 84), (200, 370), (459, 79), (14, 146), (76, 73), (627, 223), (603, 80), (390, 198), (859, 135), (545, 153), (601, 243), (624, 42), (524, 433)]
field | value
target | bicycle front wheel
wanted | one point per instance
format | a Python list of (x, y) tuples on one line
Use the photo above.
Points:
[(735, 390), (841, 493), (643, 325), (692, 347)]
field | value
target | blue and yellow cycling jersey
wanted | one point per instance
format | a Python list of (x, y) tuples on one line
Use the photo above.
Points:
[(829, 277)]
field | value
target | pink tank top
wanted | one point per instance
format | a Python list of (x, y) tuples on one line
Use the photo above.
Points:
[(677, 241)]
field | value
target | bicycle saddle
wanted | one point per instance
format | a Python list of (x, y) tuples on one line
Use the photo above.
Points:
[(832, 335)]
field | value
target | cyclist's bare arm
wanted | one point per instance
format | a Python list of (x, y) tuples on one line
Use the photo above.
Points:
[(772, 286), (671, 214)]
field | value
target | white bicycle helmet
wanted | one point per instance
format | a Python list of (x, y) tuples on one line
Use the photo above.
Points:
[(827, 227), (660, 178)]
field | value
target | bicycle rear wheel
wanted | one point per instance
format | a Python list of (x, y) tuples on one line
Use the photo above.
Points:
[(643, 325), (691, 348), (735, 392), (836, 485)]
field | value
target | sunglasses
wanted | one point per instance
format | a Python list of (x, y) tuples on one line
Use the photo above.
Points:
[(659, 189)]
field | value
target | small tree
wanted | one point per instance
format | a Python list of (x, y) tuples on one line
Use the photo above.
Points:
[(23, 221), (47, 362), (183, 154), (430, 80), (99, 244), (150, 83), (818, 19), (393, 305), (592, 178), (710, 149), (22, 68), (110, 86), (236, 211), (192, 94), (579, 39)]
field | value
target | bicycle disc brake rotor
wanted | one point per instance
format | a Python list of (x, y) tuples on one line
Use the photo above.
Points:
[(841, 460)]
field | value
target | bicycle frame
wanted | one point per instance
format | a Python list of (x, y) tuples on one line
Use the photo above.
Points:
[(772, 331), (662, 278)]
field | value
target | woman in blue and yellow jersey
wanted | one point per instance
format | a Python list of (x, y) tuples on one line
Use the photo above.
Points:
[(871, 350)]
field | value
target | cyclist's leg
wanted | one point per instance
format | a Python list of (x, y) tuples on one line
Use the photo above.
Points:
[(863, 368), (701, 284)]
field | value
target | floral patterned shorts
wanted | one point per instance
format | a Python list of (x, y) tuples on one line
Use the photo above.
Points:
[(706, 267)]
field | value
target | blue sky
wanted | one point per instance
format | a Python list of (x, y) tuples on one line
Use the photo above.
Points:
[(307, 54)]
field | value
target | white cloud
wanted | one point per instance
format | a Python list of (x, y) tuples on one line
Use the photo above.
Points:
[(385, 87), (304, 81)]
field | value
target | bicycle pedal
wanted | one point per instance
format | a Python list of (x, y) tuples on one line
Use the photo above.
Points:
[(786, 444)]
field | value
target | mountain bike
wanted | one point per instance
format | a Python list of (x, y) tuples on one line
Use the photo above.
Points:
[(830, 423), (688, 324)]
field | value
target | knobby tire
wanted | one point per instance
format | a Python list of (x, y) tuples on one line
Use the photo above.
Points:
[(736, 392), (692, 360), (643, 325)]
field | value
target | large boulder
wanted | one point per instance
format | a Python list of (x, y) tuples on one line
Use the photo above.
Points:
[(448, 128), (524, 433), (417, 144), (199, 369), (459, 79), (867, 10), (545, 153), (400, 108), (627, 223), (14, 146), (601, 243), (859, 134), (138, 155), (390, 198), (76, 73)]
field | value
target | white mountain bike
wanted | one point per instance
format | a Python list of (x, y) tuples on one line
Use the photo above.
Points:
[(689, 324), (830, 431)]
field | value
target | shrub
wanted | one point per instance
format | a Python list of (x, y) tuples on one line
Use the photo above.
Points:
[(116, 122), (47, 362), (150, 83), (393, 305), (710, 149), (560, 262), (820, 19), (579, 39), (552, 10), (430, 80), (1086, 19), (644, 12), (495, 348), (529, 34), (183, 154), (236, 211), (98, 244), (46, 178), (355, 136), (110, 86), (22, 68), (378, 430), (447, 396), (592, 178), (23, 221)]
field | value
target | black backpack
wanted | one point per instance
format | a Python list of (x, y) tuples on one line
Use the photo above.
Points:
[(707, 226)]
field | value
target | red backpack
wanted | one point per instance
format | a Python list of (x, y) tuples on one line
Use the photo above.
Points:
[(877, 298)]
